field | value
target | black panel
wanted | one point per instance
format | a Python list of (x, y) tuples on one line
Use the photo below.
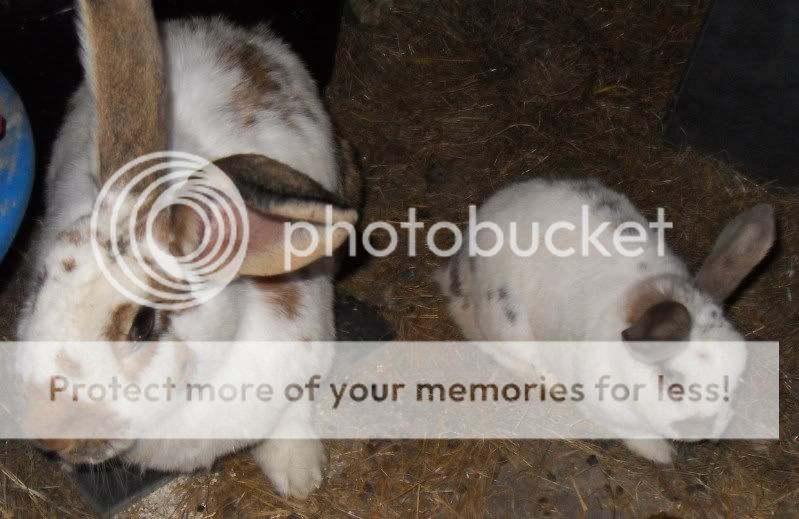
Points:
[(112, 487), (739, 98)]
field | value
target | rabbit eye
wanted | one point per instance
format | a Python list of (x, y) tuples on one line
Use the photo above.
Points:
[(143, 325)]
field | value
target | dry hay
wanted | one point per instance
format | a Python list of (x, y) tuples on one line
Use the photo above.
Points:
[(447, 101)]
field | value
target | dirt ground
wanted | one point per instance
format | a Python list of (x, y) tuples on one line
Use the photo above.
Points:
[(446, 102)]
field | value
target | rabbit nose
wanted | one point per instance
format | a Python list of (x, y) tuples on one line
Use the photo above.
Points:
[(57, 445), (695, 426)]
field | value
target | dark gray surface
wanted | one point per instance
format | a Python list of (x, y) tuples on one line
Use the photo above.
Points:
[(739, 97), (112, 487)]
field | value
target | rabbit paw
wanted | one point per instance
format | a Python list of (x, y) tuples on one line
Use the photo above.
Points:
[(658, 451), (293, 466)]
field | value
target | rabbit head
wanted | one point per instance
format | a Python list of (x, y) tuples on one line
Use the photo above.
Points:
[(674, 321)]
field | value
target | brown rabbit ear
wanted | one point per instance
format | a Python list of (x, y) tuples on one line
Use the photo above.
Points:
[(742, 244), (665, 321), (124, 68), (275, 194)]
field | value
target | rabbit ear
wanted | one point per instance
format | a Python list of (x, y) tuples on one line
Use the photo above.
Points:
[(665, 321), (276, 195), (742, 244), (123, 62)]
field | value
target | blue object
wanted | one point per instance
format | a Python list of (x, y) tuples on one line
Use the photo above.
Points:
[(16, 164)]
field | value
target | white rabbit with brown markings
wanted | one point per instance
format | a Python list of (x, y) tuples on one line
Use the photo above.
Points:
[(241, 98), (646, 296)]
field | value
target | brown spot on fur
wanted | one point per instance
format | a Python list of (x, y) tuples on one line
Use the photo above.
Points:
[(68, 264), (261, 88), (73, 236), (253, 92), (119, 325), (284, 296)]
